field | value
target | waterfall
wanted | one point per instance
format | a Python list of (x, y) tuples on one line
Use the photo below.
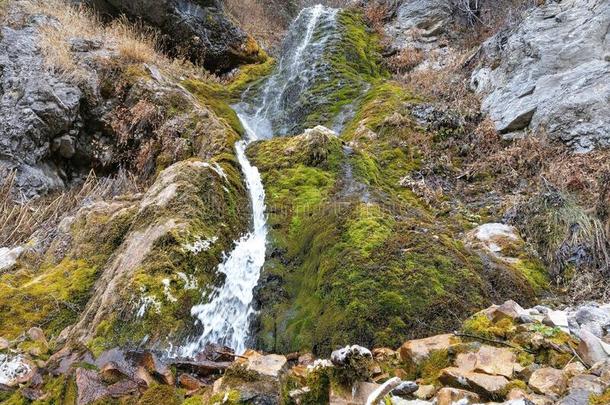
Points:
[(225, 318)]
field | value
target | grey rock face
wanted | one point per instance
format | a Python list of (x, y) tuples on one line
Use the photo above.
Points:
[(198, 28), (552, 73), (36, 107), (419, 24)]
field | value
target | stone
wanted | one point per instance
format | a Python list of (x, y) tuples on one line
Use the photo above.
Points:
[(588, 383), (155, 367), (306, 359), (591, 349), (358, 395), (573, 369), (405, 388), (418, 350), (89, 386), (9, 257), (111, 373), (64, 146), (510, 309), (189, 382), (482, 384), (425, 392), (495, 237), (526, 71), (272, 365), (384, 354), (4, 344), (558, 319), (15, 370), (548, 381), (489, 360), (37, 335), (450, 396)]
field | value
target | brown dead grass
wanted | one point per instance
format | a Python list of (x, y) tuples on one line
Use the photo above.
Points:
[(126, 42), (20, 220)]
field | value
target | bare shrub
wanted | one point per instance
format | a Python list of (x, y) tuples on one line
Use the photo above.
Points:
[(405, 60)]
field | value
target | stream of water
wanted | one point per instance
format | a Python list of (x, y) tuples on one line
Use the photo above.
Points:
[(226, 317)]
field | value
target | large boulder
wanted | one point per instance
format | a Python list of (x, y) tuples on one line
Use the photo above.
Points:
[(198, 29), (551, 72)]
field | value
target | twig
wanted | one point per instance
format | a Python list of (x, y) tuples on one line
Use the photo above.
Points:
[(500, 342)]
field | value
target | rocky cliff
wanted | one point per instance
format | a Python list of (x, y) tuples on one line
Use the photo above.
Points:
[(421, 160)]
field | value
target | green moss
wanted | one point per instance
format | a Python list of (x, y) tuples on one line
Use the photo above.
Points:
[(430, 369), (601, 399), (535, 273), (231, 397), (59, 391), (166, 284), (161, 394), (481, 325)]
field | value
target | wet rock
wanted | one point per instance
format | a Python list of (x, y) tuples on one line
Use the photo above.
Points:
[(548, 381), (557, 49), (90, 387), (202, 368), (449, 396), (123, 388), (155, 367), (189, 382), (591, 349), (482, 384), (419, 350)]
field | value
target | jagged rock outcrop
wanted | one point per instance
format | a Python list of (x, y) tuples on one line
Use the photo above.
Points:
[(551, 73), (199, 29), (37, 107)]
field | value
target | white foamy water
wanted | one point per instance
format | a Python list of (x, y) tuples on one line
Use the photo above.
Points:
[(11, 368), (225, 318)]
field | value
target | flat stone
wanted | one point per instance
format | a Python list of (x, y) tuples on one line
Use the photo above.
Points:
[(489, 360), (271, 365), (89, 386), (548, 381), (483, 384), (591, 349), (587, 382), (449, 396), (425, 392), (419, 350)]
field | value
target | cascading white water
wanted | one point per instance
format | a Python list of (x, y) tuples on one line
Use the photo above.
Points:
[(226, 317)]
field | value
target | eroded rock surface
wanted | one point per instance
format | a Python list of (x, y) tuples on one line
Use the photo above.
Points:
[(551, 73)]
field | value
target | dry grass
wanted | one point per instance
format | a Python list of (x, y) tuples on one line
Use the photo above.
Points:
[(19, 221), (263, 19), (126, 42), (448, 84)]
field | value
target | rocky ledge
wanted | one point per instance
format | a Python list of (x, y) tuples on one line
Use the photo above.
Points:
[(503, 354)]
